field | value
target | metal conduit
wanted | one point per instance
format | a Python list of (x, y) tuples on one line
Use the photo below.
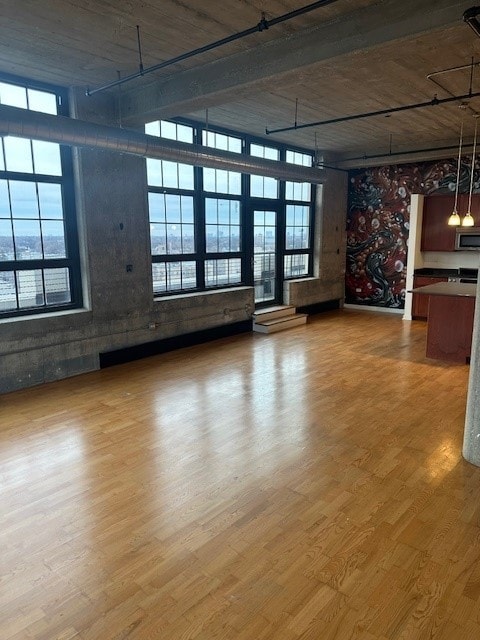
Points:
[(78, 133), (263, 25), (382, 112), (388, 154)]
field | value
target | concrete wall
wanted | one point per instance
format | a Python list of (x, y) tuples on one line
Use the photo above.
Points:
[(119, 309)]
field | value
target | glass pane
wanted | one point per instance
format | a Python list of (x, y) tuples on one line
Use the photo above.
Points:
[(290, 219), (46, 158), (270, 217), (53, 239), (57, 286), (42, 101), (187, 209), (168, 130), (174, 239), (222, 181), (30, 288), (209, 182), (13, 95), (2, 160), (212, 239), (188, 238), (8, 297), (234, 212), (23, 198), (158, 239), (159, 276), (181, 275), (184, 133), (185, 176), (296, 265), (222, 272), (256, 186), (18, 155), (28, 243), (270, 188), (170, 174), (6, 241), (211, 211), (50, 199), (156, 207), (152, 128), (154, 172), (172, 208), (235, 183), (4, 200)]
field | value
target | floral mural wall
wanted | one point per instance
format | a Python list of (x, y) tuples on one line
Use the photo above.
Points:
[(378, 225)]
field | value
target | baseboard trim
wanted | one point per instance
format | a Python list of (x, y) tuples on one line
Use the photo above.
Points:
[(146, 349)]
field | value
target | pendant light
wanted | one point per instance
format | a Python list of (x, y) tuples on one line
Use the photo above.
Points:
[(454, 219), (468, 220)]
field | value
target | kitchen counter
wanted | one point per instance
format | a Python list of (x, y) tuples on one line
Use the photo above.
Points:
[(448, 289), (451, 310)]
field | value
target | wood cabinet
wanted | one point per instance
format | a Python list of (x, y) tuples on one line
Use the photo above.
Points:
[(420, 302), (436, 234)]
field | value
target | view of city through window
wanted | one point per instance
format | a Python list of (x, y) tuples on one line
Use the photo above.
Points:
[(35, 270), (207, 228)]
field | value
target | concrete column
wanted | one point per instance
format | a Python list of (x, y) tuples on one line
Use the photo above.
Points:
[(471, 438)]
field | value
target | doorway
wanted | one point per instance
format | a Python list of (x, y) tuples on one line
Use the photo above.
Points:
[(266, 269)]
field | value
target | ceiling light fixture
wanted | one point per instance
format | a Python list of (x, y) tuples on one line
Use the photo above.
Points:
[(468, 220)]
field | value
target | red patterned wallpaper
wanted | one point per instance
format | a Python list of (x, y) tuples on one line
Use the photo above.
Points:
[(378, 225)]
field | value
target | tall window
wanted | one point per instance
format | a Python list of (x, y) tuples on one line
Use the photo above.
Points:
[(298, 223), (172, 215), (39, 267), (200, 238), (260, 186)]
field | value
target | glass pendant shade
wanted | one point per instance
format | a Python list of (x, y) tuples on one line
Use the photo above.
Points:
[(454, 219), (468, 220)]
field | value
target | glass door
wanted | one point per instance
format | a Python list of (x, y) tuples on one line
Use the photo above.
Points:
[(265, 267)]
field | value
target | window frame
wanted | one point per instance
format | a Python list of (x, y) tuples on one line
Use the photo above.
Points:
[(201, 255), (71, 261)]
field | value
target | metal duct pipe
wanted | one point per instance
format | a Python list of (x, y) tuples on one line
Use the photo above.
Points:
[(78, 133)]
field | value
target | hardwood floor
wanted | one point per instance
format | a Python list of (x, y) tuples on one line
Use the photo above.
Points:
[(303, 485)]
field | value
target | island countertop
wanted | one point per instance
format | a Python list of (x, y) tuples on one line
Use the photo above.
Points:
[(464, 289)]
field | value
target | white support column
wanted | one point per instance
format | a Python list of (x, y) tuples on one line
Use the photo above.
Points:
[(414, 257), (471, 438)]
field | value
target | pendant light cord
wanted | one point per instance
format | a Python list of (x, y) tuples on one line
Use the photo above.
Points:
[(473, 166), (458, 167)]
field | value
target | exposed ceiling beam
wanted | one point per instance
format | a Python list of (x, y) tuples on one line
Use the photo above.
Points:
[(225, 79)]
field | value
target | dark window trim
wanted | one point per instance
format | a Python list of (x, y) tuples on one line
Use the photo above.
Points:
[(66, 180), (247, 202)]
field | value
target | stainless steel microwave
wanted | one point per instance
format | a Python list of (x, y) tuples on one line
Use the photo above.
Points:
[(467, 239)]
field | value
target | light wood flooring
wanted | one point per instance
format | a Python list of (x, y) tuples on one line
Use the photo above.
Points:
[(307, 485)]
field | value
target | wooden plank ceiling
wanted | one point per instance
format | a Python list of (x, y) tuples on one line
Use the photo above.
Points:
[(88, 42)]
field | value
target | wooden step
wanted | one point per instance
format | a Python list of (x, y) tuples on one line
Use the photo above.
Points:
[(270, 313), (280, 324)]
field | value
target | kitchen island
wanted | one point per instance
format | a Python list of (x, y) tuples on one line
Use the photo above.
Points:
[(451, 310)]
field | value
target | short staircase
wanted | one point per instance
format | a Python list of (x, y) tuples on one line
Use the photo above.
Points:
[(272, 319)]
